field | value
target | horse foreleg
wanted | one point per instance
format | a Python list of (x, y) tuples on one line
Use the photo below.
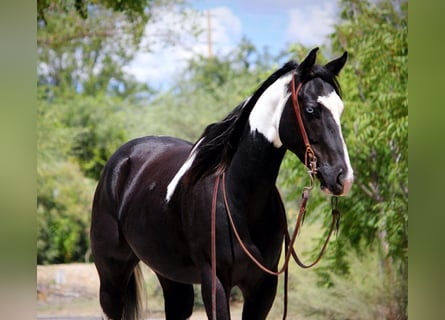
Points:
[(259, 297), (222, 296), (178, 299)]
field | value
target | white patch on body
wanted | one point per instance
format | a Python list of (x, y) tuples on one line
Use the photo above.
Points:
[(187, 164), (335, 105), (105, 317), (265, 116)]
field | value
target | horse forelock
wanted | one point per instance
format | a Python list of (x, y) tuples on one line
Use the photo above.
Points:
[(324, 74)]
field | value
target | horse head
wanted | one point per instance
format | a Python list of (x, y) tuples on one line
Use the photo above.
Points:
[(317, 97)]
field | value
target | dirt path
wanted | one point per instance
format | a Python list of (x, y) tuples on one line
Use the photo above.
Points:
[(67, 290), (70, 291)]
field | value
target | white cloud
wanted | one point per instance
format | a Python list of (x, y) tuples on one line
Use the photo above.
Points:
[(226, 29), (163, 62), (310, 24)]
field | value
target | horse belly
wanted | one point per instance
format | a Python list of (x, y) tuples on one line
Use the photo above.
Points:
[(158, 244)]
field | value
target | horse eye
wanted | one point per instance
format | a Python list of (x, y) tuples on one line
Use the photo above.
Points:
[(310, 110)]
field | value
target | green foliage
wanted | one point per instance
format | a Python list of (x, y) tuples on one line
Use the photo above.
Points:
[(63, 196), (101, 124), (207, 91), (361, 294), (83, 110), (88, 106), (63, 205), (375, 127), (84, 45), (376, 123)]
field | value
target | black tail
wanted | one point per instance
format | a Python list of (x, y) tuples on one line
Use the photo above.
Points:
[(133, 302)]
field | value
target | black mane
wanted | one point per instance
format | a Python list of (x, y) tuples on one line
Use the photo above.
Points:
[(220, 140)]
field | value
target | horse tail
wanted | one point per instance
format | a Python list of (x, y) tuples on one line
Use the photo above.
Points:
[(133, 300)]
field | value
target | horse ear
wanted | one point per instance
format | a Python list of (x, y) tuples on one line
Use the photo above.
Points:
[(336, 65), (308, 62)]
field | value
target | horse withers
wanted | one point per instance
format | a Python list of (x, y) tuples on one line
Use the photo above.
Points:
[(154, 199)]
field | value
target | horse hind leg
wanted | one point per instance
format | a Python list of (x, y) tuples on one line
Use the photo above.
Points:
[(121, 302), (118, 269), (120, 284), (178, 299)]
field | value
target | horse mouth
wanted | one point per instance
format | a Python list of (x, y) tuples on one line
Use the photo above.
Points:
[(325, 187), (336, 188)]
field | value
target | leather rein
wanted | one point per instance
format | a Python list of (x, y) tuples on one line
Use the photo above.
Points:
[(310, 161)]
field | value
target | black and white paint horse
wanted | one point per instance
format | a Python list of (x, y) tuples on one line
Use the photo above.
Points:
[(153, 201)]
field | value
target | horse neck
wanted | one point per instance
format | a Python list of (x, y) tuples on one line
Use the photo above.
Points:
[(255, 165), (253, 172)]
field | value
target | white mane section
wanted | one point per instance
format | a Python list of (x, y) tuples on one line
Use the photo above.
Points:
[(187, 164), (265, 116)]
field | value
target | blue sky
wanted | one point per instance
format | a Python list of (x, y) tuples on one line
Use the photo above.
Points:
[(277, 23), (272, 24)]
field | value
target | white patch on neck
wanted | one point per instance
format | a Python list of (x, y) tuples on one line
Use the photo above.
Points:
[(187, 164), (335, 105), (266, 114)]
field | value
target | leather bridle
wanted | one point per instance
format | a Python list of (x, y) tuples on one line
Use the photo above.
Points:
[(309, 154), (311, 162)]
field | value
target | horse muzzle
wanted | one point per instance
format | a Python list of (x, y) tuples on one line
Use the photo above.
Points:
[(335, 181)]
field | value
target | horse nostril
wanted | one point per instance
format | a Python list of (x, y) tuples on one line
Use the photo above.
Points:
[(340, 178), (344, 181)]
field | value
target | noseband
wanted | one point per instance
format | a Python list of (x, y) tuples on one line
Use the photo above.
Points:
[(310, 161)]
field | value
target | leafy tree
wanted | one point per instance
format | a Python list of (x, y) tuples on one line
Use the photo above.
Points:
[(86, 103), (64, 201), (205, 92), (208, 74), (375, 86), (84, 44), (375, 127), (63, 195), (376, 130)]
